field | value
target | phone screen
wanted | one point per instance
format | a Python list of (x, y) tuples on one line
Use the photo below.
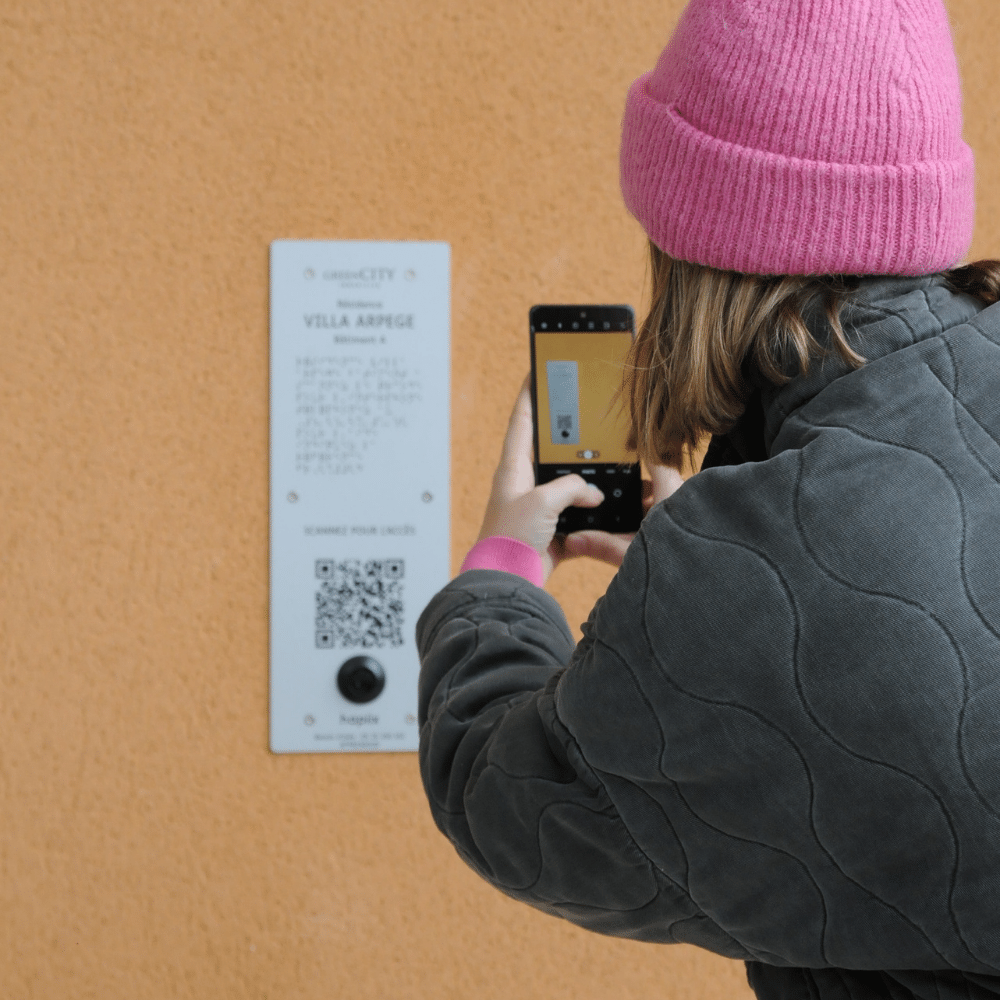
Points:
[(578, 356), (578, 374)]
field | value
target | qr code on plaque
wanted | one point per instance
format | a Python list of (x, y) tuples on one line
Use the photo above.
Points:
[(359, 602)]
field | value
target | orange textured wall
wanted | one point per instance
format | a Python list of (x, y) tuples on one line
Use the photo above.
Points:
[(150, 845)]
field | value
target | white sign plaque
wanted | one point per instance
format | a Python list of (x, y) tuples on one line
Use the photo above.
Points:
[(360, 449)]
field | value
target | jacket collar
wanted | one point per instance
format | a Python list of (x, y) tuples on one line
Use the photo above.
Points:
[(885, 314)]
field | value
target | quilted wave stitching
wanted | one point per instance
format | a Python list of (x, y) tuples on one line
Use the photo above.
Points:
[(850, 585), (766, 560)]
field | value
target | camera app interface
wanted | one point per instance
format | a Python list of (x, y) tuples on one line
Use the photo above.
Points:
[(578, 374)]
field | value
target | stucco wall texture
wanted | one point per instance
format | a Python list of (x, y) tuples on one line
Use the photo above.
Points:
[(150, 844)]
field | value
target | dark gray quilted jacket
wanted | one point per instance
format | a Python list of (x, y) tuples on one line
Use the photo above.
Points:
[(779, 737)]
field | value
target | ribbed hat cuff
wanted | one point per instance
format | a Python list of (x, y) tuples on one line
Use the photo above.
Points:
[(707, 201)]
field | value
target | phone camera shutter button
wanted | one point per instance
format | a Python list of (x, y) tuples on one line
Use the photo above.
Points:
[(361, 679)]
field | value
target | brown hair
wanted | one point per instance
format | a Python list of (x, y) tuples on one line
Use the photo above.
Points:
[(685, 374)]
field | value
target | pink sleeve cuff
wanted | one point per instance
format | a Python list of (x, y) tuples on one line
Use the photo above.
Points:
[(507, 554)]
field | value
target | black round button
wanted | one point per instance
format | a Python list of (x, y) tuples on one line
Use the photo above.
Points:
[(361, 679)]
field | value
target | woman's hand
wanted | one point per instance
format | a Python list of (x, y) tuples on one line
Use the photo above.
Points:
[(519, 509)]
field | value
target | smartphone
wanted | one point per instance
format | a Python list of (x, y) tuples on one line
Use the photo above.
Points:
[(577, 360)]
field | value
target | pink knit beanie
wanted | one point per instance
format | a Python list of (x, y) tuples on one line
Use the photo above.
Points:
[(803, 137)]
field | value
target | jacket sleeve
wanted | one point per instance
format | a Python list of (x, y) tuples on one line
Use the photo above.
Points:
[(506, 781)]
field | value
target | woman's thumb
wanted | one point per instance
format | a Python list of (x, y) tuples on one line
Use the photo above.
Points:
[(572, 491)]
